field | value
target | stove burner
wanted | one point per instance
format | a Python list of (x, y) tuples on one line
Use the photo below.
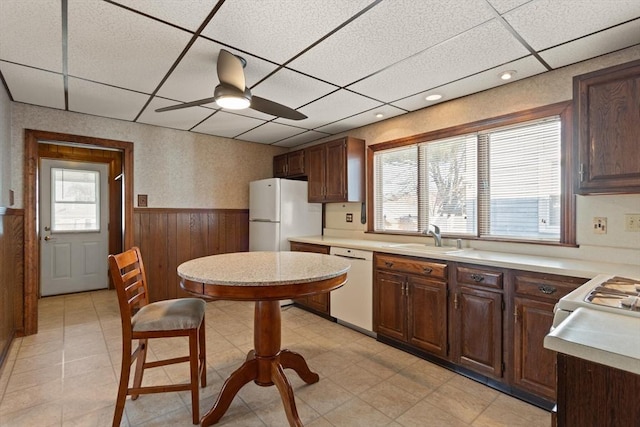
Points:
[(617, 292)]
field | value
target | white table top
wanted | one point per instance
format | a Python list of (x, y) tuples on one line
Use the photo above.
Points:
[(263, 268), (607, 338)]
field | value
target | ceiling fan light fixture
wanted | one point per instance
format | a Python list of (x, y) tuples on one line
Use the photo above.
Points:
[(231, 98)]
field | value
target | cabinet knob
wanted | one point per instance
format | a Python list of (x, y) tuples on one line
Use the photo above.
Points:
[(477, 277), (427, 270), (388, 264), (547, 289)]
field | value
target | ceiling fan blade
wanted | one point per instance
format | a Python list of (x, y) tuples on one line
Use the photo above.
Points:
[(275, 109), (230, 70), (186, 105)]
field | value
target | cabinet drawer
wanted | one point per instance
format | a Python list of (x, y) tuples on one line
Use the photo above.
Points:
[(479, 277), (309, 247), (545, 287), (412, 266)]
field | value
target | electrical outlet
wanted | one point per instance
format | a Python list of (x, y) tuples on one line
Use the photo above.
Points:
[(599, 225), (632, 222), (349, 217)]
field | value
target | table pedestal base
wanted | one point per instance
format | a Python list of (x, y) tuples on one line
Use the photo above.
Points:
[(265, 366)]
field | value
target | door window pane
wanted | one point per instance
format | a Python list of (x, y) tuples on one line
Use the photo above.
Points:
[(75, 200)]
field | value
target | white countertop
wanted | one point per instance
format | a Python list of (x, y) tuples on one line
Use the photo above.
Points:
[(607, 338), (541, 264)]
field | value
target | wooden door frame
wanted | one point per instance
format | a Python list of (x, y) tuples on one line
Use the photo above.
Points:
[(31, 232)]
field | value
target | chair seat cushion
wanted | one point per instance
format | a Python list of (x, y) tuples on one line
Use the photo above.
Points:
[(170, 315)]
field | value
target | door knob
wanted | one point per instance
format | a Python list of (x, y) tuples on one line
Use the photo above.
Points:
[(47, 238)]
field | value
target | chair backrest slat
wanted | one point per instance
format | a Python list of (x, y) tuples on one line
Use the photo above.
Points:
[(129, 279)]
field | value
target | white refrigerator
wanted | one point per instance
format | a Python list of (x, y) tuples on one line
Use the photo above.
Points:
[(278, 209)]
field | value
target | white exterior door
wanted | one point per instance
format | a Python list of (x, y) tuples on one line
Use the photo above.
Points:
[(74, 215)]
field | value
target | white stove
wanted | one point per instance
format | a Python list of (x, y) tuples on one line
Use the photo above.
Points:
[(604, 292)]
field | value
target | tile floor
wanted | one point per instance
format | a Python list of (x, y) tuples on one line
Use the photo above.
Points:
[(67, 374)]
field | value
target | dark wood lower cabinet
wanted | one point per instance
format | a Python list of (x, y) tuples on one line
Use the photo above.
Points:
[(319, 303), (410, 302), (478, 326), (534, 365), (591, 394), (535, 295)]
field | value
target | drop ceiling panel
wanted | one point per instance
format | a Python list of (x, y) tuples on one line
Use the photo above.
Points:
[(196, 77), (33, 86), (110, 45), (31, 33), (300, 139), (278, 30), (378, 38), (481, 48), (525, 67), (226, 124), (183, 119), (337, 106), (362, 119), (597, 44), (106, 101), (503, 6), (173, 11), (292, 88), (270, 133), (546, 23)]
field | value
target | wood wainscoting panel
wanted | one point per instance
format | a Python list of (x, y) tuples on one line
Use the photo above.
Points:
[(11, 277), (169, 237)]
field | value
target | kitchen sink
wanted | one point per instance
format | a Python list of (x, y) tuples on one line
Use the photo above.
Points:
[(421, 247)]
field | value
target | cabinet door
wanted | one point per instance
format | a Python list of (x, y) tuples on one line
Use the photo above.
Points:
[(534, 365), (318, 302), (389, 311), (315, 164), (280, 166), (427, 301), (336, 168), (479, 330), (608, 130), (295, 163)]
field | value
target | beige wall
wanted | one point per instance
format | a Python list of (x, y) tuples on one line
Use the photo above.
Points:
[(176, 169), (5, 147), (548, 88)]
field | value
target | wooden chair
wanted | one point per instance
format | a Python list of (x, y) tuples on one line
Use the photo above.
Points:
[(142, 320)]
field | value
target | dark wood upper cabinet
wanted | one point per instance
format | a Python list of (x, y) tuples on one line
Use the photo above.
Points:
[(607, 129), (335, 171), (289, 165)]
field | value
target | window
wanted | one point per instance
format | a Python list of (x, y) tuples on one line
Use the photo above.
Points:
[(76, 200), (498, 182)]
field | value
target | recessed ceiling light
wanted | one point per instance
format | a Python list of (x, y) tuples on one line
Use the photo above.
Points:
[(507, 75), (379, 115), (433, 97)]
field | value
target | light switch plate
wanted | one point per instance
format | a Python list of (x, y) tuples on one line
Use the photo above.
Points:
[(632, 222), (142, 200)]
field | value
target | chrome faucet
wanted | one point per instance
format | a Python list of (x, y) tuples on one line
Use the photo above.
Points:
[(433, 230)]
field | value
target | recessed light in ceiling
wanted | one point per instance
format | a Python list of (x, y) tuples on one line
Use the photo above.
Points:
[(507, 75), (433, 97), (379, 115)]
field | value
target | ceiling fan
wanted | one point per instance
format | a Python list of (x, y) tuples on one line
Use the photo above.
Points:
[(232, 93)]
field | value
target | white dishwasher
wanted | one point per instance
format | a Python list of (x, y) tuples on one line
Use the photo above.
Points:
[(352, 304)]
